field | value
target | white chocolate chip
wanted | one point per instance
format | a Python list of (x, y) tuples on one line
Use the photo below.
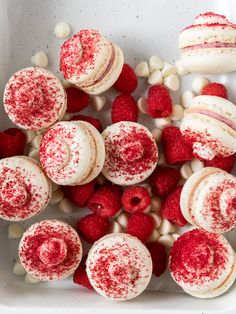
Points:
[(156, 220), (198, 83), (168, 69), (30, 135), (15, 231), (180, 68), (37, 141), (123, 220), (155, 78), (62, 30), (156, 204), (65, 206), (147, 210), (196, 164), (186, 171), (34, 153), (98, 102), (175, 236), (155, 63), (30, 279), (177, 113), (40, 59), (166, 227), (161, 159), (142, 69), (66, 84), (161, 123), (156, 133), (115, 227), (142, 105), (167, 240), (187, 98), (57, 196), (172, 82), (155, 235), (18, 269)]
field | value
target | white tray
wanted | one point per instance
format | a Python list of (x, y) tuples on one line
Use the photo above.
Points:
[(142, 28)]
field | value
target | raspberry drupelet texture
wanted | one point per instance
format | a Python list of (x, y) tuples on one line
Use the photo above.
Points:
[(127, 81), (13, 143), (215, 89), (159, 258), (224, 163), (159, 103), (140, 226), (124, 108), (77, 100), (80, 276), (94, 121), (135, 199)]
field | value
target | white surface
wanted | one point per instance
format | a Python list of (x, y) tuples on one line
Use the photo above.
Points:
[(141, 29)]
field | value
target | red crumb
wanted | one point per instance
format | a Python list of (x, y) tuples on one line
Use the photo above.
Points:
[(127, 81), (140, 226), (215, 89), (77, 100), (92, 227), (224, 163), (13, 143), (159, 103), (135, 199), (124, 108), (170, 208), (95, 122), (80, 276), (159, 257), (164, 180)]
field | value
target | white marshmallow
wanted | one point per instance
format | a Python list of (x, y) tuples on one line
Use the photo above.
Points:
[(187, 98), (168, 69), (142, 105), (161, 159), (172, 82), (167, 240), (40, 59), (156, 133), (18, 269), (155, 78), (166, 227), (66, 84), (62, 30), (142, 69), (57, 196), (98, 102), (198, 83), (30, 279), (161, 123), (156, 204), (34, 153), (186, 171), (155, 63), (123, 220), (156, 220), (180, 68), (155, 235), (37, 141), (196, 164), (30, 135), (15, 231), (65, 206), (115, 227), (177, 113)]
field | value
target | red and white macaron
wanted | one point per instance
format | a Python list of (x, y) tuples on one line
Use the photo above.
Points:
[(34, 99), (208, 200), (50, 250), (131, 153), (203, 263), (209, 126), (25, 191), (72, 153), (209, 46), (91, 61), (119, 266)]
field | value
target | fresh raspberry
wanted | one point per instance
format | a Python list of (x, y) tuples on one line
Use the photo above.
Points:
[(215, 89), (135, 199), (159, 257), (159, 103), (79, 194), (95, 122), (170, 208), (124, 108), (127, 81), (224, 163), (77, 100), (12, 142), (176, 150), (164, 180), (92, 227), (140, 226), (80, 276), (106, 201)]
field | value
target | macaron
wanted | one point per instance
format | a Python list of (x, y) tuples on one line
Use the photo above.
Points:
[(91, 62), (209, 126), (202, 263), (119, 267), (72, 153), (50, 250), (131, 153), (34, 99), (208, 200), (209, 45), (25, 191)]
